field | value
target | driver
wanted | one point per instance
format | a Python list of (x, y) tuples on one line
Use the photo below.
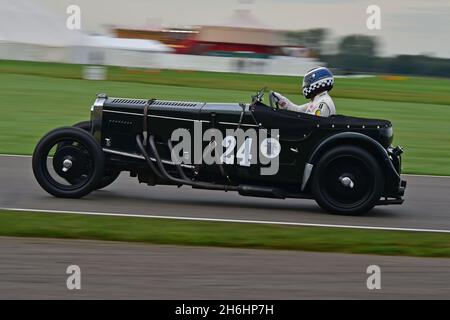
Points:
[(316, 84)]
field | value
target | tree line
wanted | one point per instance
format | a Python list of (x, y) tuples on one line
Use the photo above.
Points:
[(354, 54)]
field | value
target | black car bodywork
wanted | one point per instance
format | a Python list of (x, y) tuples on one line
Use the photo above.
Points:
[(135, 135)]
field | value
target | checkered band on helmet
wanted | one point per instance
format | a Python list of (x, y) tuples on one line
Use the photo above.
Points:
[(316, 81)]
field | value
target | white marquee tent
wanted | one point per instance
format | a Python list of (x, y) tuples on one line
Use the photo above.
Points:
[(30, 32)]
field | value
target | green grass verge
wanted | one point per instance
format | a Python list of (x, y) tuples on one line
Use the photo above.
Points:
[(31, 105), (404, 89), (197, 233)]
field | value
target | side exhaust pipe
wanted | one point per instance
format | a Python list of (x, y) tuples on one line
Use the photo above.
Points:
[(160, 171)]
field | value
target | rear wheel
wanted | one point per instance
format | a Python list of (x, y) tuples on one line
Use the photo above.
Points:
[(347, 180), (68, 162)]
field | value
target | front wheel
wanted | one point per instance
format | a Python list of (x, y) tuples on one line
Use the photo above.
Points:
[(347, 180), (110, 174), (68, 162)]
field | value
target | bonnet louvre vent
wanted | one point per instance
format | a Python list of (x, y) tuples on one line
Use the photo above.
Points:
[(129, 101), (163, 103)]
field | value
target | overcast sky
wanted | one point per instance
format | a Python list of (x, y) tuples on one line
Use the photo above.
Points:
[(407, 26)]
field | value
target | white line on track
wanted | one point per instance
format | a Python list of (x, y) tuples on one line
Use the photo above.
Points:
[(424, 175), (14, 155), (407, 175), (300, 224)]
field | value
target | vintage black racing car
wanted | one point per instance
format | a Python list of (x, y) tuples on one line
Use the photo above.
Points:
[(346, 164)]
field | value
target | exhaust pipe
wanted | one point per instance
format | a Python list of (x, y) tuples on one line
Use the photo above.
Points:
[(242, 189)]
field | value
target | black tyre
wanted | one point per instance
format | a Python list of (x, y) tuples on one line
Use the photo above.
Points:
[(85, 125), (68, 162), (110, 175), (347, 180)]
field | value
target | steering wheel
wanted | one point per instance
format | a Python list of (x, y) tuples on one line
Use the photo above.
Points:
[(258, 96), (273, 101)]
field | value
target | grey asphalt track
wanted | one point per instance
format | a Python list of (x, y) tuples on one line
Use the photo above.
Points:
[(36, 269), (427, 203)]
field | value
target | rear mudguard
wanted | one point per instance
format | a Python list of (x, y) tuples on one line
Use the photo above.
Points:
[(379, 151)]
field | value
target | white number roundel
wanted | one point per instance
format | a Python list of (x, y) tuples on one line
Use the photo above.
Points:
[(270, 148)]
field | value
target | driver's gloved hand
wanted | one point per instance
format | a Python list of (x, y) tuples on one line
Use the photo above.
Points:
[(282, 101), (274, 99)]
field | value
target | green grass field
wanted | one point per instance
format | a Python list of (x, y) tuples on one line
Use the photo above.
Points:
[(198, 233), (412, 89), (36, 97)]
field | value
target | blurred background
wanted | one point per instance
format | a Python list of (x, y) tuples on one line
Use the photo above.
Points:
[(272, 37), (391, 60)]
